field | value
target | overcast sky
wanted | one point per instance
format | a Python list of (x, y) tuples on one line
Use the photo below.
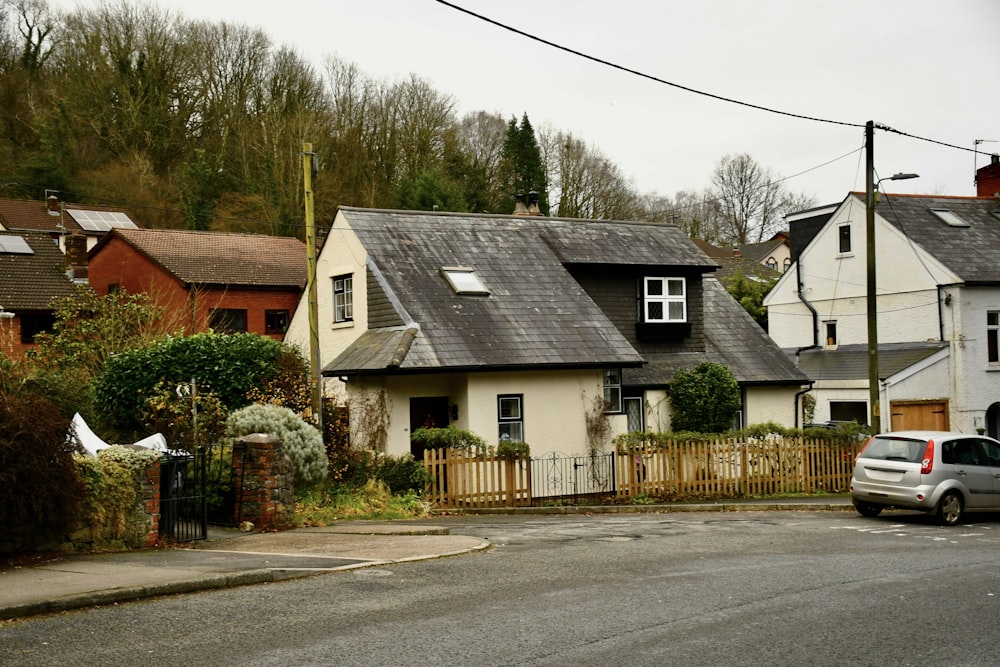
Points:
[(928, 68)]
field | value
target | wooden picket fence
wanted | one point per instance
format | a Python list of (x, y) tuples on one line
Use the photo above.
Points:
[(463, 478), (664, 469), (735, 467)]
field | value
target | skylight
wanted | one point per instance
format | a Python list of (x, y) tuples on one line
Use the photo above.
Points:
[(15, 245), (101, 221), (950, 218), (463, 280)]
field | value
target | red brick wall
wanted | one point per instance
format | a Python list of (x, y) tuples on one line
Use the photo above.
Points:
[(118, 263), (988, 178)]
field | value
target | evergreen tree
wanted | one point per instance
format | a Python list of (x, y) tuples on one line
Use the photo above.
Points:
[(522, 167)]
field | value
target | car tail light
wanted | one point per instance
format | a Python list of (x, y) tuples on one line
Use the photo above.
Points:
[(928, 463), (862, 452)]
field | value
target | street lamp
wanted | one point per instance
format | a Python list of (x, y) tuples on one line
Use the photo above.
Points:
[(870, 188)]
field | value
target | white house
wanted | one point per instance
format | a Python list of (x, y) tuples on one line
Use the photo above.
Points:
[(938, 310), (557, 332)]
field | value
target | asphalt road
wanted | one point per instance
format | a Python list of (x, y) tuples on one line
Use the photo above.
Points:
[(741, 588)]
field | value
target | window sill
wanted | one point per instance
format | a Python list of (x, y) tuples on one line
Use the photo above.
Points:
[(662, 331), (342, 325)]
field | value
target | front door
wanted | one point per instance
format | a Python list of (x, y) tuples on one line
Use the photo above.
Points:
[(427, 412)]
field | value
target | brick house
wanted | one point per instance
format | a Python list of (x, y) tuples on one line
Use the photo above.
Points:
[(32, 275), (526, 327), (206, 280), (62, 219)]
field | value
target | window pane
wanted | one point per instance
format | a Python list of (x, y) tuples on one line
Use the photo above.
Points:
[(845, 238), (512, 432), (676, 287), (993, 318), (992, 346), (510, 408), (654, 287), (612, 399), (613, 376), (676, 311), (654, 310)]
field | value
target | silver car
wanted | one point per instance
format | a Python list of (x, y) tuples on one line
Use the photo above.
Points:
[(946, 474)]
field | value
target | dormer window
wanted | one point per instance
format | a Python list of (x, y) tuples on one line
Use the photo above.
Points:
[(464, 280), (664, 300)]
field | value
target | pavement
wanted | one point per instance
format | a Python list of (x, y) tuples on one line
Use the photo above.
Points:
[(231, 558)]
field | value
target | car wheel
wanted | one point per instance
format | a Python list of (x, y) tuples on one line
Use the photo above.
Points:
[(867, 509), (949, 509)]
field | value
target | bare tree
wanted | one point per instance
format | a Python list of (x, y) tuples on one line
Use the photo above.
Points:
[(751, 199), (585, 183)]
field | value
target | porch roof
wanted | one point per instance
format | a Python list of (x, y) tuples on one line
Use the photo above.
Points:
[(850, 362)]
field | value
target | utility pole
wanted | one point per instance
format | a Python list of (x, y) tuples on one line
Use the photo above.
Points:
[(873, 388), (309, 169)]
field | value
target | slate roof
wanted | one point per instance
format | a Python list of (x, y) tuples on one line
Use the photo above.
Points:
[(850, 362), (970, 252), (32, 215), (536, 314), (731, 265), (31, 282), (734, 339), (219, 259)]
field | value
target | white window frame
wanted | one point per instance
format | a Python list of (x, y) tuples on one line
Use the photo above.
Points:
[(510, 417), (343, 298), (672, 305)]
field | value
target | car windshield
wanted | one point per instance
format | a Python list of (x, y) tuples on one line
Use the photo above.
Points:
[(895, 449)]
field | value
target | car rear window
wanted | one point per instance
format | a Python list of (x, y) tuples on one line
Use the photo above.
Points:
[(895, 449)]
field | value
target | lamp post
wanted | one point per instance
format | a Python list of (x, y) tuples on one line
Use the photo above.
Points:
[(871, 186)]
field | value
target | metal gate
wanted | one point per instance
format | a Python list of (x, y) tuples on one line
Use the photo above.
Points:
[(571, 478), (183, 508)]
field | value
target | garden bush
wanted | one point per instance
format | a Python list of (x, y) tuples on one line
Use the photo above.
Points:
[(229, 366), (301, 441), (39, 485)]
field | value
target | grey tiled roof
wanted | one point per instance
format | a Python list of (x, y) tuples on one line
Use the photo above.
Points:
[(31, 282), (536, 314), (971, 252), (733, 339), (850, 362), (217, 258)]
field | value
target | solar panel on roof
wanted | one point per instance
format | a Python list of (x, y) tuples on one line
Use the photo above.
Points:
[(15, 245), (101, 221)]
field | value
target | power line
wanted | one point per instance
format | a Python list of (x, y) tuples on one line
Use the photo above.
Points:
[(679, 86), (643, 75)]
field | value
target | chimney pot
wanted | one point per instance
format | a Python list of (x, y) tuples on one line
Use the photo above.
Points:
[(519, 207), (53, 204)]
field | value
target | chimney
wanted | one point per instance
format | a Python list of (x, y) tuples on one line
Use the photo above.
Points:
[(736, 252), (988, 178), (76, 258), (533, 204), (519, 207), (52, 204)]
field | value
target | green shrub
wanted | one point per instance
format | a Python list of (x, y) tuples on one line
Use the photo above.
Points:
[(448, 438), (110, 480), (401, 473), (39, 484), (229, 366), (301, 441), (704, 398)]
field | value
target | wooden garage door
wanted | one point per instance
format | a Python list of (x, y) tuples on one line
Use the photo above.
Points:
[(920, 416)]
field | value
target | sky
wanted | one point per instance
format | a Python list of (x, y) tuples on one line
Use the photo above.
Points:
[(925, 68)]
